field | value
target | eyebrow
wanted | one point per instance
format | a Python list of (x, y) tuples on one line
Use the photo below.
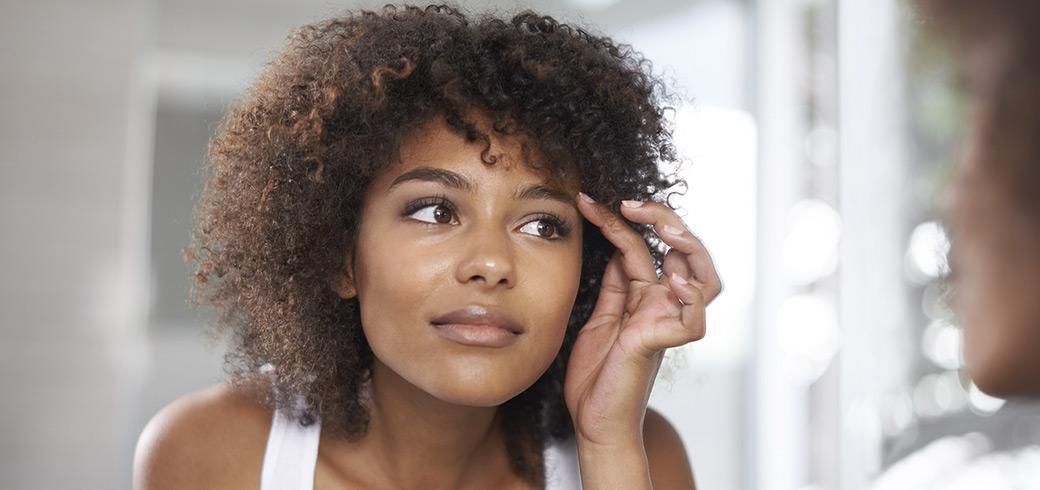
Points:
[(430, 174), (545, 192), (460, 182)]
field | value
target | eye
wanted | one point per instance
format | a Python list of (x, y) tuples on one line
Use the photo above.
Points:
[(434, 213), (542, 227)]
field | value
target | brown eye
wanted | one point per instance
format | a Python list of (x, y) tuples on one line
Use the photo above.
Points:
[(546, 229), (442, 215), (434, 214), (543, 228)]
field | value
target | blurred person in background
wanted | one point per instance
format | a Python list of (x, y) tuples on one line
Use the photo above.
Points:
[(992, 212), (411, 235), (993, 200)]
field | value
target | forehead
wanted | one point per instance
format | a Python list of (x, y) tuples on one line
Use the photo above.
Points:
[(435, 144)]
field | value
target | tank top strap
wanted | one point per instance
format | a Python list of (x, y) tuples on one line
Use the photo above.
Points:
[(291, 454), (292, 451)]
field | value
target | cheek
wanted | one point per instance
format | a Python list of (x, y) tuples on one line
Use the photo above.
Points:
[(998, 285), (556, 278), (558, 291), (391, 280)]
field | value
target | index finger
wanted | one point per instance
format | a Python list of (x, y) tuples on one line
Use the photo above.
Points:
[(635, 258)]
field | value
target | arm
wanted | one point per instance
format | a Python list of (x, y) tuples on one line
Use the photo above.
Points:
[(211, 439), (618, 352), (663, 456), (669, 464)]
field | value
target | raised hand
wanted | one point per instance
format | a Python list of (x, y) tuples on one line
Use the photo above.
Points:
[(638, 315)]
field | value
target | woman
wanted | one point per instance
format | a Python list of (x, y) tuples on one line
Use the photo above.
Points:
[(411, 237), (993, 204)]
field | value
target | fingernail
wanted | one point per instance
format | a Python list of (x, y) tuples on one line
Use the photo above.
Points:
[(631, 204), (585, 197), (671, 230), (679, 279)]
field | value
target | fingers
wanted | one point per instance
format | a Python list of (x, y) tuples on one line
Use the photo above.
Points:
[(693, 304), (671, 307), (613, 292), (671, 314), (695, 262), (635, 261)]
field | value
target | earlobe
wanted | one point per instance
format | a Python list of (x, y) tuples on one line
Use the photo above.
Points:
[(345, 286)]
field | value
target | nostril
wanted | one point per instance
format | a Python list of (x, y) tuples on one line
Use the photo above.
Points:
[(488, 271)]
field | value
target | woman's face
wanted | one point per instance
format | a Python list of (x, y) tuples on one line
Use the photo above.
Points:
[(466, 273), (996, 255)]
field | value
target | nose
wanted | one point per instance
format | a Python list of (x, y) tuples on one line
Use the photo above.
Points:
[(486, 258)]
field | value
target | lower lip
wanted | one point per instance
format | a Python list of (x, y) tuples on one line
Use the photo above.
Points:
[(476, 335)]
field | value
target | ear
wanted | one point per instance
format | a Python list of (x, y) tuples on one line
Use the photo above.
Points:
[(344, 285)]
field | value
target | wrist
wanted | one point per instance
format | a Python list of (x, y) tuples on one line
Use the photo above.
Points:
[(616, 464), (630, 443)]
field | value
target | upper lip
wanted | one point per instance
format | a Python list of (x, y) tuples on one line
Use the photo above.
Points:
[(480, 316)]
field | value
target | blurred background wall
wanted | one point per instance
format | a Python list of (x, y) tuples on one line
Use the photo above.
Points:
[(817, 134)]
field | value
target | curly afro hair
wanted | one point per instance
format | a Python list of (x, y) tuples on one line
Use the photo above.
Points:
[(291, 164)]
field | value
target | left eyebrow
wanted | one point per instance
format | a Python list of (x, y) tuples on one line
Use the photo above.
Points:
[(544, 192)]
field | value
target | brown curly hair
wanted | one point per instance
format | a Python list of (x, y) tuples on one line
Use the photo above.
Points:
[(291, 164)]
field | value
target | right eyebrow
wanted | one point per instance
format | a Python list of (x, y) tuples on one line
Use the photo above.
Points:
[(430, 174)]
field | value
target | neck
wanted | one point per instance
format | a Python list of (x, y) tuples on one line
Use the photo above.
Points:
[(418, 441)]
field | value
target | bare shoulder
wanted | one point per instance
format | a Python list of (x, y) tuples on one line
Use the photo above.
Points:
[(669, 464), (214, 438)]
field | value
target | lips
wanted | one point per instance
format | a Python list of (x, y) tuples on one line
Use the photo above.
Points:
[(478, 326)]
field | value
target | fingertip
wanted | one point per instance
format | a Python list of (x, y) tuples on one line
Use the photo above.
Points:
[(589, 208)]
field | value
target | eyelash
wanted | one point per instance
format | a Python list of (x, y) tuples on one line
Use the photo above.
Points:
[(561, 226), (562, 229), (426, 202)]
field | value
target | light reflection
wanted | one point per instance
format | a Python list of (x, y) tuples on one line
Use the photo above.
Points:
[(807, 329), (943, 343), (821, 146), (939, 394), (899, 414), (926, 254), (810, 250), (950, 394), (982, 403)]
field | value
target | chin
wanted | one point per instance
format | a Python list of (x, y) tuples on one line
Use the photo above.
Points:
[(989, 382), (474, 399), (1004, 373), (477, 394)]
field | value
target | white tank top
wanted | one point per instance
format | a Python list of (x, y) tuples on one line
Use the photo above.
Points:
[(292, 452)]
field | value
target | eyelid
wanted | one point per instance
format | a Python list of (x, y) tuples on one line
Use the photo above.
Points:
[(563, 229), (421, 203), (425, 201)]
